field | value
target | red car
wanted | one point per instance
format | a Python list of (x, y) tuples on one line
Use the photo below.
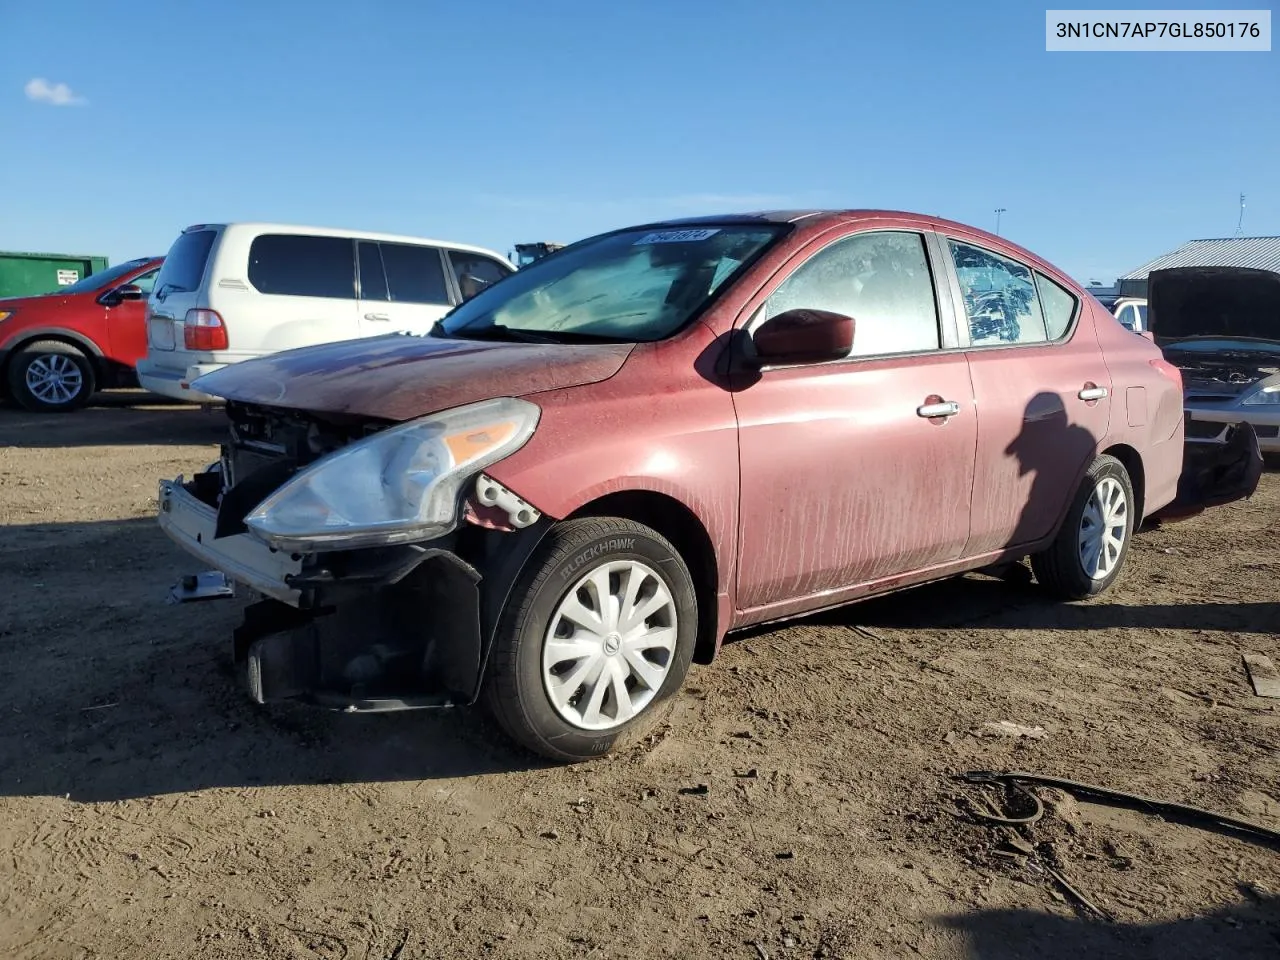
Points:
[(595, 469), (57, 349)]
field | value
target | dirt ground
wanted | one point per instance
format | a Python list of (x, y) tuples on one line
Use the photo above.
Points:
[(799, 801)]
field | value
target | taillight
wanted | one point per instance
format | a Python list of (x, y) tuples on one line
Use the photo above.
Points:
[(1165, 368), (204, 330)]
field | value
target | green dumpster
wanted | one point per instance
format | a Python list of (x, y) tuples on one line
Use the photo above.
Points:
[(28, 274)]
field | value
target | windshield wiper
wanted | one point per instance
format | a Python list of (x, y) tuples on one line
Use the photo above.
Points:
[(496, 331)]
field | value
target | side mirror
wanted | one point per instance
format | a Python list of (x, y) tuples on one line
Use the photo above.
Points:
[(126, 291), (803, 336)]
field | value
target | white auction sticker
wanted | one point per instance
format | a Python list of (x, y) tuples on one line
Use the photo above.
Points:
[(67, 277), (676, 236), (1158, 30)]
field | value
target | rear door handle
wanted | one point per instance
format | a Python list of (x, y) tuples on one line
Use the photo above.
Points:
[(381, 317), (943, 408), (1092, 393)]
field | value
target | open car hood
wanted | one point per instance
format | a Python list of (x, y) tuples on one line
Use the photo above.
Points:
[(399, 377), (1213, 302)]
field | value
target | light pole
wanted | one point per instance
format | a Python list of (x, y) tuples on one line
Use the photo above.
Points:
[(999, 210)]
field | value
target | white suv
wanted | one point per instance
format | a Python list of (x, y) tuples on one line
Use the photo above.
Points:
[(231, 292)]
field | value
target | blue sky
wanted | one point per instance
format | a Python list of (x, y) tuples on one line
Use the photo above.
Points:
[(501, 122)]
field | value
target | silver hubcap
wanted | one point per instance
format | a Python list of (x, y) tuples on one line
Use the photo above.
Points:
[(609, 646), (54, 378), (1103, 528)]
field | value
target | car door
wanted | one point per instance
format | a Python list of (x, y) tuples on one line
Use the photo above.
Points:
[(408, 294), (127, 322), (860, 469), (1042, 391)]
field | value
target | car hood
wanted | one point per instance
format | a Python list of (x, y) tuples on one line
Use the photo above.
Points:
[(1215, 303), (399, 377)]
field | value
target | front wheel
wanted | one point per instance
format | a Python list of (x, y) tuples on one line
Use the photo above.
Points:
[(599, 632), (1090, 549), (50, 376)]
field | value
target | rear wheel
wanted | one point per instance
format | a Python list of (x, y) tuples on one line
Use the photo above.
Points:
[(599, 633), (51, 377), (1090, 549)]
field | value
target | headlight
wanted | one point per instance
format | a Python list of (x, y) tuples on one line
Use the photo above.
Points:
[(5, 315), (397, 486), (1265, 395)]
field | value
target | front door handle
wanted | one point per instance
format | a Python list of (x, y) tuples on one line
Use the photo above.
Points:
[(1092, 392), (943, 408), (381, 317)]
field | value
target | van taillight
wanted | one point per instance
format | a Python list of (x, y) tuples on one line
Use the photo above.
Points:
[(204, 330)]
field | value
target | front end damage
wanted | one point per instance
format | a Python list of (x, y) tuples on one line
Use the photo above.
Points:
[(394, 627)]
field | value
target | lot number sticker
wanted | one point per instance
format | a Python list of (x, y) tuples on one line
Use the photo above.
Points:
[(676, 236)]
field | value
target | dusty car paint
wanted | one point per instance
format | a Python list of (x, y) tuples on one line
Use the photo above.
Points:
[(401, 377)]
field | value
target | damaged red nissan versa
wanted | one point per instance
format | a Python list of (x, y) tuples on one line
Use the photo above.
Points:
[(593, 470)]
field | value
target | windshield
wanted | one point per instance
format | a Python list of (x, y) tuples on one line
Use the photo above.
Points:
[(103, 278), (633, 286)]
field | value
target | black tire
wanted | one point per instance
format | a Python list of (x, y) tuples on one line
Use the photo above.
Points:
[(514, 691), (50, 352), (1060, 568)]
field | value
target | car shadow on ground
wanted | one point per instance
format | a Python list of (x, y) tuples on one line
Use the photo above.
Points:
[(976, 600), (117, 418), (1249, 930), (112, 694)]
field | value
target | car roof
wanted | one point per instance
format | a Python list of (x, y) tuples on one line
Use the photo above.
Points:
[(817, 219), (306, 229)]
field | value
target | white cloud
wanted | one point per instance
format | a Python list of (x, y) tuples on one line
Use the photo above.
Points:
[(56, 94)]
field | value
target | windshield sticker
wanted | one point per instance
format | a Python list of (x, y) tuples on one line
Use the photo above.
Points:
[(677, 236)]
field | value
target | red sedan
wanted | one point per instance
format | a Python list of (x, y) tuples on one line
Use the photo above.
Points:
[(595, 469)]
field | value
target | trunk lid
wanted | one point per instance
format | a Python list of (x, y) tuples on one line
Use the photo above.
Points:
[(398, 377)]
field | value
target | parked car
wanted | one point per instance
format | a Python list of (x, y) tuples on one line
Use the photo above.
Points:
[(590, 473), (232, 292), (58, 348), (1131, 312), (1221, 327)]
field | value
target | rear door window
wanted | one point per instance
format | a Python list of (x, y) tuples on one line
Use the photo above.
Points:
[(1000, 299), (474, 272), (414, 274), (185, 263), (301, 266)]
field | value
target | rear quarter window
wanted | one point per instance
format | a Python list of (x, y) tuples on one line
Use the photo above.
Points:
[(302, 266), (1059, 307), (185, 263)]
